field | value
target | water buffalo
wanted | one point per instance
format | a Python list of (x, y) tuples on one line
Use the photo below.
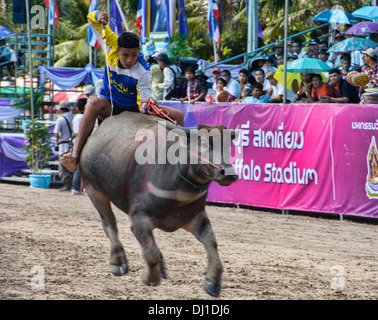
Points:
[(163, 189)]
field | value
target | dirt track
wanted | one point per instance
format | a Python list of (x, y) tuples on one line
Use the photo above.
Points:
[(265, 255)]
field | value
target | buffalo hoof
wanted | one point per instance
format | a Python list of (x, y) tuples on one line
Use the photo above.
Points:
[(212, 289), (117, 271), (151, 278)]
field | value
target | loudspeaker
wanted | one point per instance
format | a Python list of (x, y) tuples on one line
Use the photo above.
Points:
[(19, 11)]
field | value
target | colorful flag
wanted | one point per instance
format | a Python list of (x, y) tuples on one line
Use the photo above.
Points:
[(212, 16), (53, 12), (259, 32), (92, 40), (182, 22), (141, 22), (170, 7), (115, 22)]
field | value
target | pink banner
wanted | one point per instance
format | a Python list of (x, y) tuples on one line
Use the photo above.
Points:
[(311, 157)]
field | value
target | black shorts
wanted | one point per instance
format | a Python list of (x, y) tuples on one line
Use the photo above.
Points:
[(117, 110)]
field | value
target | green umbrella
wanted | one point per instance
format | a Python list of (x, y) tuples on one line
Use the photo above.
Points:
[(307, 65)]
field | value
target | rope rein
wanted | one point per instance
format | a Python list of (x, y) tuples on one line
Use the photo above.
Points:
[(150, 108)]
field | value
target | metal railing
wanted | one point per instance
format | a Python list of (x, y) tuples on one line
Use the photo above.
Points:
[(246, 55)]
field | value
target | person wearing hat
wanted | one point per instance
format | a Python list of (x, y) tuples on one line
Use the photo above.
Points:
[(313, 46), (130, 88), (370, 60), (63, 134), (323, 55), (291, 57), (89, 91), (213, 80), (277, 90), (169, 72)]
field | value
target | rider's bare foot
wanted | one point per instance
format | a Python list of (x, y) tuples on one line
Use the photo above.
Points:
[(69, 162)]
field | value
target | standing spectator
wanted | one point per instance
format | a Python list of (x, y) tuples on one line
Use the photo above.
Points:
[(297, 48), (157, 77), (319, 89), (90, 91), (195, 91), (63, 135), (245, 87), (232, 86), (370, 59), (169, 71), (76, 184)]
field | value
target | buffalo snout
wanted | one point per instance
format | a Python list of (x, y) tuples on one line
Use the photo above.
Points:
[(226, 176)]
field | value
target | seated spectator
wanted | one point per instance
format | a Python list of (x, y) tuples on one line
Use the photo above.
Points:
[(260, 78), (195, 91), (222, 95), (291, 57), (232, 86), (269, 65), (213, 80), (245, 87), (345, 68), (278, 90), (304, 90), (280, 59), (319, 89), (7, 59), (313, 46), (258, 95), (342, 90), (370, 59), (323, 55), (297, 48)]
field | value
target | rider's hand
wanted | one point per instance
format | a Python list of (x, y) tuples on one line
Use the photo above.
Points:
[(103, 17)]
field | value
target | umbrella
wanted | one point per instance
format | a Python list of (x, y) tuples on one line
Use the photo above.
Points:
[(352, 44), (335, 16), (369, 13), (291, 77), (363, 27), (5, 32), (307, 65)]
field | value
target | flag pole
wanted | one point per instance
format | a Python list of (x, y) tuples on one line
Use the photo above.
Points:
[(214, 43), (285, 50), (30, 60), (122, 15)]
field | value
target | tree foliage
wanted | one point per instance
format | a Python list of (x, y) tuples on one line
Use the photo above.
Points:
[(72, 50)]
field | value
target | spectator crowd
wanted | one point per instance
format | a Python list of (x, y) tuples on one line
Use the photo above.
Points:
[(260, 81)]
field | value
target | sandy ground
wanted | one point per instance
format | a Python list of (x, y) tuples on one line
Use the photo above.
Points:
[(53, 247)]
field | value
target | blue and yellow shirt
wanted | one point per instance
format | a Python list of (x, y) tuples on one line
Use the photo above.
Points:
[(128, 86)]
